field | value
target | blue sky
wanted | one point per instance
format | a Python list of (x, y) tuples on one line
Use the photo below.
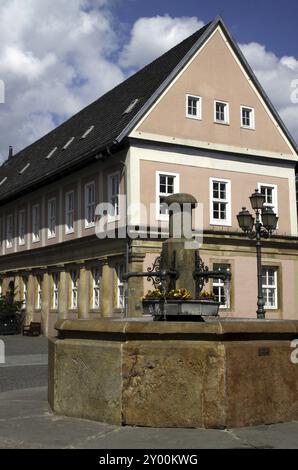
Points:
[(60, 55), (270, 22)]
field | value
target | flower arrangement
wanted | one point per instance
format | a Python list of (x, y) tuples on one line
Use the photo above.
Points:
[(179, 294), (174, 294), (207, 295), (154, 294)]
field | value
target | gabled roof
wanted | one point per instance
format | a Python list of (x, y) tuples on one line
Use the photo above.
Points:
[(111, 124)]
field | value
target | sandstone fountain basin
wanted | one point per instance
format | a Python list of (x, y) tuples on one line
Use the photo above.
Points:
[(213, 374)]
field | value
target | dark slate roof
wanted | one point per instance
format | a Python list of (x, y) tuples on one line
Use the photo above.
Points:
[(105, 114)]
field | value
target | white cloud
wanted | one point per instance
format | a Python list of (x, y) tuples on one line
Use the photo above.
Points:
[(150, 37), (55, 59), (276, 76)]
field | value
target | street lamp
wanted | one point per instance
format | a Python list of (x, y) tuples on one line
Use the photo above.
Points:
[(262, 226)]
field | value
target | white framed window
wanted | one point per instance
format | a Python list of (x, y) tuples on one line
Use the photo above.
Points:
[(120, 286), (269, 286), (22, 227), (96, 284), (35, 223), (113, 194), (25, 290), (221, 112), (166, 184), (74, 289), (247, 116), (219, 286), (193, 107), (90, 204), (69, 212), (52, 218), (38, 299), (270, 193), (220, 201), (55, 291), (9, 231)]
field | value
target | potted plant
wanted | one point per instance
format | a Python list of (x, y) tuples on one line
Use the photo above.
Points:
[(150, 299), (209, 304), (178, 302)]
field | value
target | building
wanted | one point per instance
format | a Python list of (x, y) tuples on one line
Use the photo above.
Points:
[(195, 120)]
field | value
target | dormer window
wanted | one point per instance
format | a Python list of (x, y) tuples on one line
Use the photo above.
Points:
[(68, 143), (131, 106), (247, 117), (51, 153), (24, 169), (221, 112), (90, 129), (193, 107)]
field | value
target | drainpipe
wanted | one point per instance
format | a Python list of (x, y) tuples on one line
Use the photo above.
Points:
[(127, 244)]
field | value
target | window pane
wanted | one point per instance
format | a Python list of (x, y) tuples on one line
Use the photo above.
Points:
[(216, 210), (222, 211), (269, 283), (246, 117), (166, 187), (220, 111)]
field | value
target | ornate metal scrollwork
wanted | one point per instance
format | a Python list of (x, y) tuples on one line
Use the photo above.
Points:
[(156, 269), (200, 268)]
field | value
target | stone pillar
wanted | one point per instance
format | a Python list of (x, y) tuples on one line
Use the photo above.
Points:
[(5, 284), (63, 295), (83, 293), (30, 298), (106, 290), (18, 288), (135, 284), (45, 302), (177, 254)]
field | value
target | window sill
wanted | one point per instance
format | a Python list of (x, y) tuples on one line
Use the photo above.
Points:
[(89, 226), (220, 224), (196, 118), (248, 128), (222, 123), (51, 237), (69, 232), (36, 241)]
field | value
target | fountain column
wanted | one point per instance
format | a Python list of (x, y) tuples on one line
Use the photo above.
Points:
[(176, 253)]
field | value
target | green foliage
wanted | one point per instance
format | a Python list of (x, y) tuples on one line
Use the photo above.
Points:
[(10, 308)]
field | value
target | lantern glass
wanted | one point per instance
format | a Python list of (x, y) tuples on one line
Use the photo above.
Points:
[(245, 220), (269, 218), (257, 200)]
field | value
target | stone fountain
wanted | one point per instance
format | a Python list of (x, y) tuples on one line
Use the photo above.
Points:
[(180, 267), (215, 373)]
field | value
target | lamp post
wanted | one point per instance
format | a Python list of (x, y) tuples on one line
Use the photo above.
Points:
[(262, 225)]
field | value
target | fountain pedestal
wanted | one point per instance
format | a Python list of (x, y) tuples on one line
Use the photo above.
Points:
[(213, 374)]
